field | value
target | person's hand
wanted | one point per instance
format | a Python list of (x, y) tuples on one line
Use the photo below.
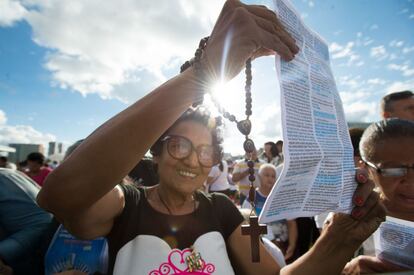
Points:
[(369, 264), (5, 269), (289, 252), (365, 218), (242, 32)]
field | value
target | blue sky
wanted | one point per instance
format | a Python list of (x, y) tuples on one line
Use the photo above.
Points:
[(67, 66)]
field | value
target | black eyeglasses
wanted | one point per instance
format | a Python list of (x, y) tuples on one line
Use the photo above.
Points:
[(392, 171), (179, 148)]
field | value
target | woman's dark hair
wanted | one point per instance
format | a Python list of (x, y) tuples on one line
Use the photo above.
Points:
[(202, 116), (273, 148), (374, 136), (221, 167), (144, 173), (356, 134)]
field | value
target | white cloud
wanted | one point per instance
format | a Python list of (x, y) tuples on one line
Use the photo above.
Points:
[(403, 11), (335, 47), (339, 51), (350, 82), (118, 50), (353, 95), (373, 27), (393, 56), (360, 63), (21, 133), (407, 50), (10, 12), (3, 118), (361, 111), (400, 86), (376, 81), (411, 16), (367, 41), (309, 2), (272, 119), (405, 69), (395, 43), (379, 52), (358, 104)]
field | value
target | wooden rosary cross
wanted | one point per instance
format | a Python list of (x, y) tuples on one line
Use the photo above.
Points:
[(254, 230)]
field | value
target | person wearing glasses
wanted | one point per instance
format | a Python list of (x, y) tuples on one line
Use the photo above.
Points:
[(387, 149), (171, 228)]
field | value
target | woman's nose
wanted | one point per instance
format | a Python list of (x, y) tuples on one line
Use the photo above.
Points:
[(192, 159)]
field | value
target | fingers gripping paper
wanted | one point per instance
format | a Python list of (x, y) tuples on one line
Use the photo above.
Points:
[(318, 172)]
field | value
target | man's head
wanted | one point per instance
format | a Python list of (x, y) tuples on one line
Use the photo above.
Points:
[(35, 161), (252, 155), (399, 104)]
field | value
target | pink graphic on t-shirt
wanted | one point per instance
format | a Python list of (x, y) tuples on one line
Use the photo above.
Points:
[(177, 265)]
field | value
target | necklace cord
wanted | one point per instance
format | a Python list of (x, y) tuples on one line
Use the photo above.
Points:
[(166, 205)]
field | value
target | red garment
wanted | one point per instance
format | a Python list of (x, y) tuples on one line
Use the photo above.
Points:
[(40, 178)]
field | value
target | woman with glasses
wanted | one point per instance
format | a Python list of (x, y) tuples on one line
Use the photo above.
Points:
[(387, 149), (171, 228)]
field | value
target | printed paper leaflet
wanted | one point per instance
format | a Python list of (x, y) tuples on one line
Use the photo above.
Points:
[(394, 242), (319, 171)]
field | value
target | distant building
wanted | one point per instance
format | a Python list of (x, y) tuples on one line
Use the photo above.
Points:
[(22, 150), (55, 148), (60, 148)]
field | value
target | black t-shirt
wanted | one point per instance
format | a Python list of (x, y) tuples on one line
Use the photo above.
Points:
[(215, 213)]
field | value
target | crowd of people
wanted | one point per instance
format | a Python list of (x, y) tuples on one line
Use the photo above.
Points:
[(181, 210)]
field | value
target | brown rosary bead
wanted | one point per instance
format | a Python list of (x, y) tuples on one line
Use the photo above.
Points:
[(252, 194)]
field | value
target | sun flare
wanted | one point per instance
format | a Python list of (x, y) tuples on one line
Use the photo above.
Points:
[(228, 94)]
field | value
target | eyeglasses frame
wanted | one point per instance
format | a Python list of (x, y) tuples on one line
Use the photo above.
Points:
[(193, 149), (380, 170)]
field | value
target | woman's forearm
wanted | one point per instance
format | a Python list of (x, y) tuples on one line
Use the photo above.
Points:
[(293, 233), (111, 151)]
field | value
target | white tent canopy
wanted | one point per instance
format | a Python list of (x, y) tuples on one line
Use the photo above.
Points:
[(4, 148)]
